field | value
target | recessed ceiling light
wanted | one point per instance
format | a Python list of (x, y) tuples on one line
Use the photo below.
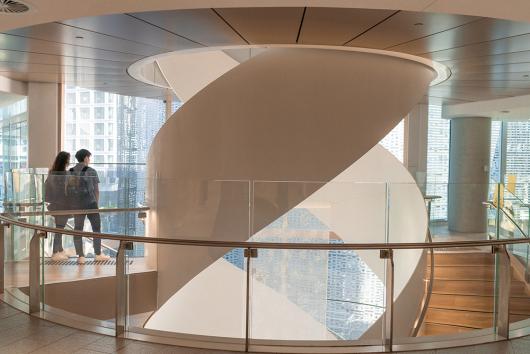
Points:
[(418, 24), (79, 37), (505, 111)]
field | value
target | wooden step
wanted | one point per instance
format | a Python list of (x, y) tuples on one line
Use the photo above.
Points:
[(464, 273), (437, 329), (474, 287), (474, 258), (469, 319), (518, 306)]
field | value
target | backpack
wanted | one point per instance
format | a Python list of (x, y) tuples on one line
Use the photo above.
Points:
[(77, 188)]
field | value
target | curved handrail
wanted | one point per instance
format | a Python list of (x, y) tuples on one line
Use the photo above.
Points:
[(262, 245), (492, 204), (428, 292)]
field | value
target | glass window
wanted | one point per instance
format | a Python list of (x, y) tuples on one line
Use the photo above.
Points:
[(70, 98), (394, 141), (70, 146), (85, 113), (13, 139), (438, 160), (518, 157), (99, 113), (129, 125), (70, 128), (71, 114), (99, 97), (99, 144), (84, 129), (99, 129), (84, 97)]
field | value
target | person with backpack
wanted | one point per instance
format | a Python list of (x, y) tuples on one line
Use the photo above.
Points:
[(55, 196), (83, 191)]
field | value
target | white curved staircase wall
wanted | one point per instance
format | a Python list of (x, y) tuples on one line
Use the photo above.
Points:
[(353, 206), (188, 73), (213, 303), (287, 114)]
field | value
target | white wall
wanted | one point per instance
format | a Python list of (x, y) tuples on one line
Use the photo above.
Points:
[(43, 123)]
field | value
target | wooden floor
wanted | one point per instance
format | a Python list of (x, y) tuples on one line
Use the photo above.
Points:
[(463, 294)]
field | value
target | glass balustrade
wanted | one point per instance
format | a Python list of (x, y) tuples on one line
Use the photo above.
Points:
[(297, 264)]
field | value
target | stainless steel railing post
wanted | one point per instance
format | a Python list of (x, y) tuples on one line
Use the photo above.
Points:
[(34, 272), (503, 283), (388, 327), (249, 254), (122, 294), (2, 256)]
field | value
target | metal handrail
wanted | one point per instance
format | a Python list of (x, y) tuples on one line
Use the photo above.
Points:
[(428, 292), (75, 211), (490, 203), (263, 245)]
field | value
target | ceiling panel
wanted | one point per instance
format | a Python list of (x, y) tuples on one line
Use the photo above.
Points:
[(61, 33), (203, 26), (23, 44), (60, 69), (523, 76), (495, 69), (407, 26), (133, 29), (337, 26), (494, 59), (484, 30), (265, 25), (515, 84), (48, 59), (514, 44)]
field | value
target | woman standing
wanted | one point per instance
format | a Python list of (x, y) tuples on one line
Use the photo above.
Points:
[(55, 195)]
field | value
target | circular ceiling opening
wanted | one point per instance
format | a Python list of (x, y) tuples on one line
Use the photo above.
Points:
[(8, 7)]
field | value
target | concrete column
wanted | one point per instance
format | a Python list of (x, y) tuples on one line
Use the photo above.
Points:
[(44, 133), (469, 159), (415, 158)]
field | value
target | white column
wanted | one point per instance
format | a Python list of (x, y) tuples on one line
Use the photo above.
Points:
[(44, 111), (469, 160)]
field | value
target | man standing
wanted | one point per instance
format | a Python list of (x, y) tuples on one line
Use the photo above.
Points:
[(84, 193)]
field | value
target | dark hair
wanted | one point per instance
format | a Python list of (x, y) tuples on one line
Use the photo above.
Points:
[(81, 154), (61, 161)]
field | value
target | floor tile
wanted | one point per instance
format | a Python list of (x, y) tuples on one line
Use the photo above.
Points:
[(490, 348)]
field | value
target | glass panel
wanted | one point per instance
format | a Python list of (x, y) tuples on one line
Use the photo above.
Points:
[(463, 293), (317, 296), (324, 295), (198, 291), (82, 292)]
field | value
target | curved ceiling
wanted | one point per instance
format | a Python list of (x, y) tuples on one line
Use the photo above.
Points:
[(489, 58)]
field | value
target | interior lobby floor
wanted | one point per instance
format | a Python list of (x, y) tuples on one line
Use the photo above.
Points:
[(21, 333)]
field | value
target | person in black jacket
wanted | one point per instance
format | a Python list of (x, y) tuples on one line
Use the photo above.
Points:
[(55, 195)]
